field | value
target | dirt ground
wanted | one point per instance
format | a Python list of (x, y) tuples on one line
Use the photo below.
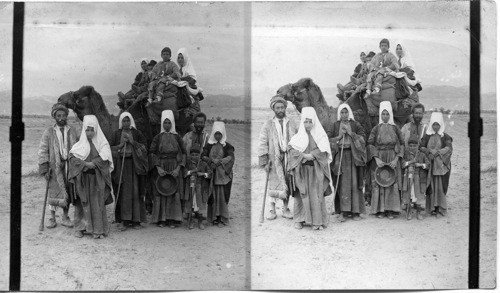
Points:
[(149, 259), (382, 253)]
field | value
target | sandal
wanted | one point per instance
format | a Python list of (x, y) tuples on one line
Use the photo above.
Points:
[(52, 223), (297, 225), (78, 234), (98, 236), (67, 223)]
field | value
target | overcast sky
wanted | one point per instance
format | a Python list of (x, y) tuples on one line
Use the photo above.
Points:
[(71, 44), (323, 41), (68, 45)]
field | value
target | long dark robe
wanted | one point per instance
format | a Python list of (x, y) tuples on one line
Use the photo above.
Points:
[(385, 142), (168, 152), (222, 179), (130, 205), (93, 186), (196, 187), (440, 169), (349, 192), (420, 181), (312, 180)]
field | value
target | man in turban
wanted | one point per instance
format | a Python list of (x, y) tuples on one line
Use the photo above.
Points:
[(273, 141), (55, 145)]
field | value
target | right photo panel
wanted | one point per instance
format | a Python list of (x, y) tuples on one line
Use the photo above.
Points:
[(360, 152)]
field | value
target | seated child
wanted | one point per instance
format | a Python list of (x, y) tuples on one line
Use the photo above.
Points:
[(383, 63), (132, 93), (163, 72), (415, 165)]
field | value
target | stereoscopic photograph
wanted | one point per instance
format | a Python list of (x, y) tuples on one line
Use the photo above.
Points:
[(360, 150), (134, 173), (246, 145)]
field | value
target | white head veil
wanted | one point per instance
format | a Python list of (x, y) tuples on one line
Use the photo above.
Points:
[(123, 115), (218, 126), (168, 114), (345, 106), (436, 117), (406, 60), (300, 141), (81, 149), (385, 105), (188, 68)]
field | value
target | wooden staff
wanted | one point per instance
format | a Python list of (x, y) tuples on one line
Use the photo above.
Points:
[(338, 176), (268, 170), (42, 223)]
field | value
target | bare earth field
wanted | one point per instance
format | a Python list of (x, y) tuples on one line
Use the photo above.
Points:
[(381, 253), (149, 259)]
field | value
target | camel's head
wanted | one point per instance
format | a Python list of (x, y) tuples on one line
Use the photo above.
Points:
[(79, 101), (296, 93)]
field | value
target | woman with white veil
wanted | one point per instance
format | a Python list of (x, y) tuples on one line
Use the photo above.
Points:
[(309, 162), (90, 169)]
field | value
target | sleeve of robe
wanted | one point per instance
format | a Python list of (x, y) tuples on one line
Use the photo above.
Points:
[(182, 161), (372, 149), (153, 152), (447, 150), (176, 73), (43, 153), (400, 145), (228, 161), (263, 148), (358, 145), (140, 154), (423, 144)]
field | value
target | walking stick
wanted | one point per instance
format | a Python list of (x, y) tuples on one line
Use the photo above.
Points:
[(268, 170), (338, 176), (119, 183), (42, 223)]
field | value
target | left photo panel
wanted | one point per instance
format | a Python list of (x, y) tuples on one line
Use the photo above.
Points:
[(135, 165)]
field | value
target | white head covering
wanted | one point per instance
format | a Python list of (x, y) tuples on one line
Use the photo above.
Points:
[(145, 60), (188, 68), (300, 140), (385, 105), (345, 106), (168, 114), (406, 60), (81, 149), (436, 117), (123, 115), (218, 126)]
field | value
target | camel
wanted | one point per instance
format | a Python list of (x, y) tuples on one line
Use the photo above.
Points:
[(305, 93), (87, 101)]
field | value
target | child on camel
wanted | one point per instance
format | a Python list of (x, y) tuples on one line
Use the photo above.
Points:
[(162, 73), (360, 81), (382, 63), (134, 89), (349, 86)]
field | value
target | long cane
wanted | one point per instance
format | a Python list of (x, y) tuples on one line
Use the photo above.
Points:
[(338, 176), (42, 223), (265, 193), (119, 183)]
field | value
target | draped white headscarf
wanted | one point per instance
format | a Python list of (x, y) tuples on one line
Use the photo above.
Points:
[(168, 114), (344, 106), (406, 60), (81, 149), (436, 117), (300, 140), (218, 126), (385, 105), (123, 115), (188, 68)]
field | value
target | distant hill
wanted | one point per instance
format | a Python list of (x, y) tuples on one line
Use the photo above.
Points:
[(432, 96), (229, 106)]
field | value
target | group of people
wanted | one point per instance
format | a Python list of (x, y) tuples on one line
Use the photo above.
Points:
[(374, 67), (184, 177), (407, 168), (151, 82)]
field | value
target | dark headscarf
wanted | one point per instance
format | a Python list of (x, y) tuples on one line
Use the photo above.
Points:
[(167, 49)]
